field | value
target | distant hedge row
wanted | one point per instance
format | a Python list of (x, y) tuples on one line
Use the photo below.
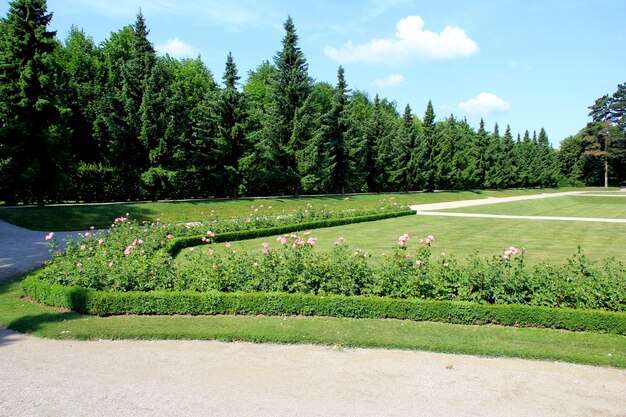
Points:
[(102, 303)]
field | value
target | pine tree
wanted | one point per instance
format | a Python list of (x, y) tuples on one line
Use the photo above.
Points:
[(405, 163), (290, 89), (482, 154), (232, 128), (337, 120), (428, 148), (359, 113), (495, 174), (29, 144), (509, 167), (549, 171)]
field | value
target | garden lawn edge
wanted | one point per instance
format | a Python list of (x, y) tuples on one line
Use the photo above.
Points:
[(101, 303)]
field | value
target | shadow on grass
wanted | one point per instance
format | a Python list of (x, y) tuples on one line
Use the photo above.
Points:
[(39, 319), (36, 322)]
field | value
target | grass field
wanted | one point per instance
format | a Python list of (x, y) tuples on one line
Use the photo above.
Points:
[(81, 217), (565, 206), (553, 345), (553, 241)]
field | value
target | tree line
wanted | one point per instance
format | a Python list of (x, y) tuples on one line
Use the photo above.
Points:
[(114, 121)]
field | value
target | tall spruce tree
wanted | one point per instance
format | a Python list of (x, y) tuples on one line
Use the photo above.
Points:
[(406, 161), (337, 120), (548, 162), (509, 167), (482, 154), (29, 143), (494, 177), (290, 89), (232, 128), (428, 143)]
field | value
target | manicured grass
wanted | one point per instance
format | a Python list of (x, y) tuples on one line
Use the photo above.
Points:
[(565, 206), (585, 348), (81, 217), (552, 241)]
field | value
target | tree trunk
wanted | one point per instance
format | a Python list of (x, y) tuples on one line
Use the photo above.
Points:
[(606, 171)]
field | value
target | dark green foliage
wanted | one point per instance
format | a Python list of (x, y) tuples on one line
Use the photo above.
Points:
[(427, 151), (31, 145), (159, 127), (291, 87)]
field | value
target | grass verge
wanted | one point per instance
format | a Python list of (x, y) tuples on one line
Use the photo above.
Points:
[(81, 217), (21, 315)]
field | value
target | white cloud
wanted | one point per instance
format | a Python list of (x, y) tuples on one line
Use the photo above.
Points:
[(411, 41), (394, 80), (483, 104), (177, 48)]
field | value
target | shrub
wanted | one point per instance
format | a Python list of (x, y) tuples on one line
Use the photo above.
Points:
[(89, 301)]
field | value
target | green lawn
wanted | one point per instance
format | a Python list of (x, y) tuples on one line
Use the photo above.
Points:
[(565, 206), (552, 241), (553, 345), (81, 217)]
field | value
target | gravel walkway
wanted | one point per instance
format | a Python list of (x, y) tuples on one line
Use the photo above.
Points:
[(41, 377), (199, 378)]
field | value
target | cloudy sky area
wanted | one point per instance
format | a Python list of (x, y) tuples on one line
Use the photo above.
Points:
[(528, 64)]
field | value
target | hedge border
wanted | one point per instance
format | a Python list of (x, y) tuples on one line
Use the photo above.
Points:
[(88, 301), (181, 243)]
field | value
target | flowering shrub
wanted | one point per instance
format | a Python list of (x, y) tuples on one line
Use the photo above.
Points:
[(134, 257), (409, 273), (126, 257)]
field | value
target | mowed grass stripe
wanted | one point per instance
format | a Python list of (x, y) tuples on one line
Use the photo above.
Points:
[(551, 241), (584, 348)]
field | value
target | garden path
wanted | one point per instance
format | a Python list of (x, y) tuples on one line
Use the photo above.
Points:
[(431, 209), (145, 378), (22, 250)]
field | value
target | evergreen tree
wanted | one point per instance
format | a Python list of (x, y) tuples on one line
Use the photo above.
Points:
[(548, 162), (316, 127), (427, 152), (360, 112), (337, 121), (29, 143), (232, 128), (483, 156), (509, 163), (257, 94), (495, 176), (406, 161), (290, 89)]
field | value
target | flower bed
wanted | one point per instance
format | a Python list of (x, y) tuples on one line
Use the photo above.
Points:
[(129, 270)]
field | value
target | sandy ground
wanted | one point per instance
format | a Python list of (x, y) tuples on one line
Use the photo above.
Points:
[(41, 377), (198, 378)]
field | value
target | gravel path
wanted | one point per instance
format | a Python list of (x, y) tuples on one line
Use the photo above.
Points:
[(41, 377), (488, 200), (199, 378)]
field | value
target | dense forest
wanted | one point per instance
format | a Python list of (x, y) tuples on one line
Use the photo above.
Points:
[(114, 121)]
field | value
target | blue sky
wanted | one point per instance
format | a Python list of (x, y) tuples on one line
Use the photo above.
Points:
[(528, 64)]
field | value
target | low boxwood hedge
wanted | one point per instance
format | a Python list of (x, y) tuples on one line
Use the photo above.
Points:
[(184, 242), (101, 303)]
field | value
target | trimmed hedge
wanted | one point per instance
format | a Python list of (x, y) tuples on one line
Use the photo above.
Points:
[(102, 303), (184, 242)]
